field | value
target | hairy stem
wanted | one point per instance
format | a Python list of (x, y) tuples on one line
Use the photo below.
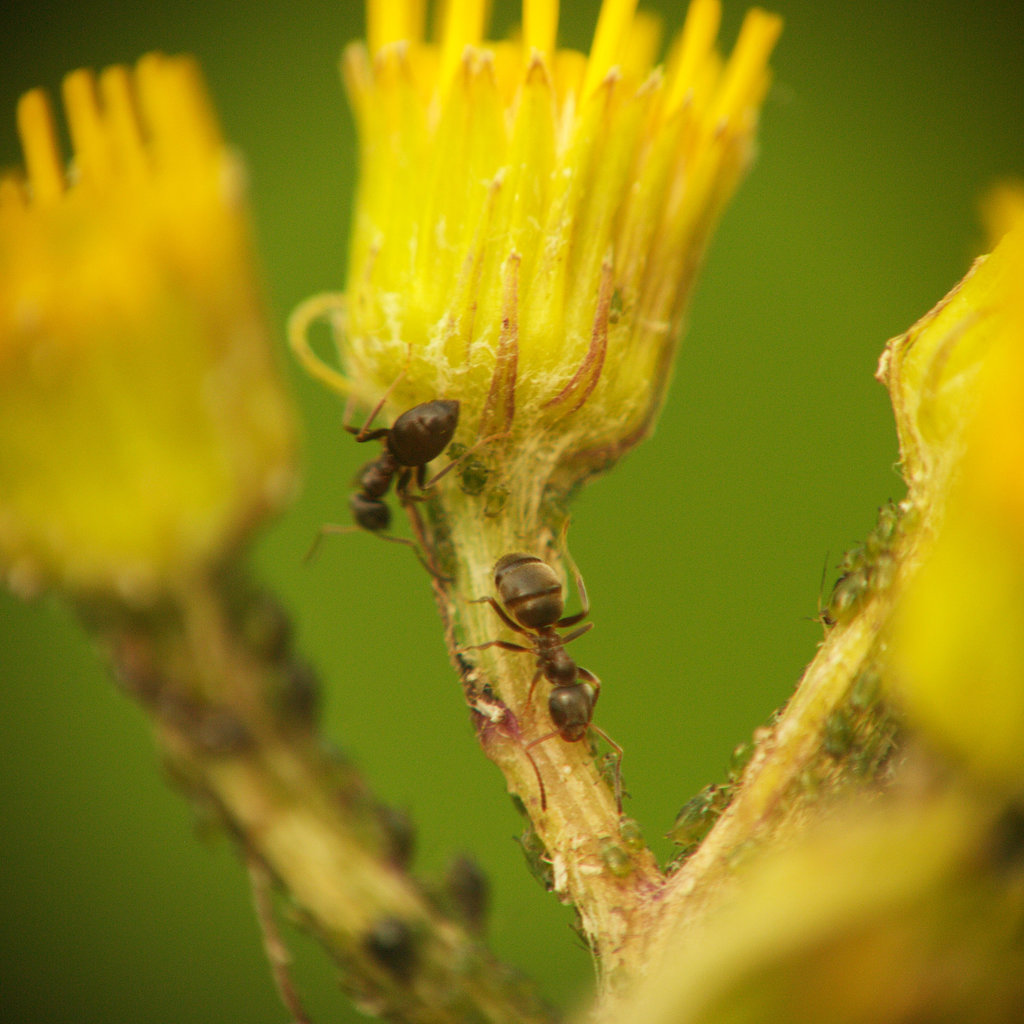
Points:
[(602, 869)]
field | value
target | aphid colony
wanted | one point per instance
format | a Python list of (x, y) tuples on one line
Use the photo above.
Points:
[(867, 569)]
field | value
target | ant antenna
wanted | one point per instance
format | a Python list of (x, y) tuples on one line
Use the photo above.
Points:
[(581, 589), (364, 430)]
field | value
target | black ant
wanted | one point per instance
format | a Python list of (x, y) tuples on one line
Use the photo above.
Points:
[(533, 604), (416, 438)]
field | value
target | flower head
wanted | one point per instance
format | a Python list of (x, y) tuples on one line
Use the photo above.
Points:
[(529, 219), (957, 641), (142, 424)]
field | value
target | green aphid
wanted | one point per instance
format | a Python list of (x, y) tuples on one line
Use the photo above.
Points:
[(473, 477), (847, 597), (697, 816), (615, 859), (496, 499), (839, 734), (630, 834)]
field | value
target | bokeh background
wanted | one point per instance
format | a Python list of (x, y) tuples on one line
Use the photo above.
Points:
[(703, 551)]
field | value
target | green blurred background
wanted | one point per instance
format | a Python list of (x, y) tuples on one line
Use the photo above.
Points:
[(702, 552)]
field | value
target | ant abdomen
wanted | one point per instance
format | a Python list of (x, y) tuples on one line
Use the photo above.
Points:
[(369, 513), (529, 590), (421, 433)]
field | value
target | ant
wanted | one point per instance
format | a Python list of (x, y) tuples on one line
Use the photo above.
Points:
[(533, 603), (416, 438)]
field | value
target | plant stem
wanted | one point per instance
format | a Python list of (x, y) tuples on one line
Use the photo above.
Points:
[(232, 715), (612, 884)]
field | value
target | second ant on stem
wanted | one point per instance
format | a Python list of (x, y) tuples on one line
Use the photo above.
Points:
[(532, 604)]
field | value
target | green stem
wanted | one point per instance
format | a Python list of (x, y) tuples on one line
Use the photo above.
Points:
[(232, 716), (782, 776), (610, 881)]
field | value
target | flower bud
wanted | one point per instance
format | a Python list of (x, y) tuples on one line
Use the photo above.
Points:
[(143, 426)]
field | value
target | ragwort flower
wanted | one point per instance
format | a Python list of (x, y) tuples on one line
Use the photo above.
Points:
[(529, 219), (142, 422)]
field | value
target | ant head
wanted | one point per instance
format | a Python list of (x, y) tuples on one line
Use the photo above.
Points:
[(421, 433), (571, 709), (529, 589), (369, 513)]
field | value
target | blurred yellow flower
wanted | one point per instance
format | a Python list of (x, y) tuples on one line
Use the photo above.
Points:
[(142, 423), (1001, 207), (957, 639), (529, 219)]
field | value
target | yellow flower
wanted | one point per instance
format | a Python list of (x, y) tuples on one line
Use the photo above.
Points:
[(1001, 207), (142, 423), (529, 219), (957, 640)]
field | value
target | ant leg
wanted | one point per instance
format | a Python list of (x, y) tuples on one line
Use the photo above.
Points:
[(541, 739), (327, 528), (327, 305), (540, 781), (581, 589), (406, 474), (273, 945), (526, 750), (505, 645), (332, 528), (503, 615), (585, 673), (618, 762), (533, 684), (363, 435), (418, 553)]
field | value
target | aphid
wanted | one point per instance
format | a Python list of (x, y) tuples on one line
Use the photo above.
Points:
[(497, 497), (867, 569), (390, 942), (468, 890), (839, 735), (474, 473), (615, 859), (537, 859), (532, 604), (630, 834), (697, 817)]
